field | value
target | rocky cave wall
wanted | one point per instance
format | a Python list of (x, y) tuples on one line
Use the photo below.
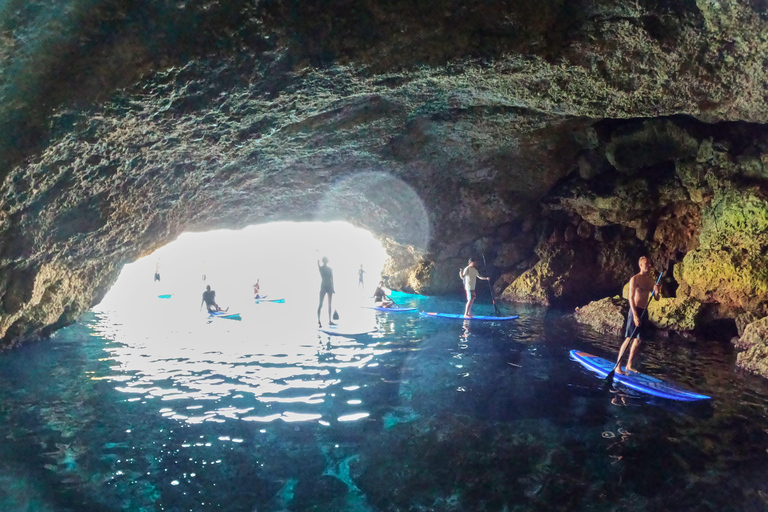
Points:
[(559, 139)]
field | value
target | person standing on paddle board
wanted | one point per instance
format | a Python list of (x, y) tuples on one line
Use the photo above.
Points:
[(640, 286), (360, 274), (326, 288), (209, 299), (470, 275)]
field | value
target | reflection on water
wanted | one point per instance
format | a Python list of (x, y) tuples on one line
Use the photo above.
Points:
[(160, 408)]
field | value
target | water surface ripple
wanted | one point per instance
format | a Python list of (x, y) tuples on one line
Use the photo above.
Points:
[(159, 408)]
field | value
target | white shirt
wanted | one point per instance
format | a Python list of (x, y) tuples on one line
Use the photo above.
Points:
[(470, 278)]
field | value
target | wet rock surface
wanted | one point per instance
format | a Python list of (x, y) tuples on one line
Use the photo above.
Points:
[(558, 141), (753, 348), (607, 315)]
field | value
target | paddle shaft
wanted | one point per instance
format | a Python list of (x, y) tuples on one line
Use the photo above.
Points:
[(490, 289)]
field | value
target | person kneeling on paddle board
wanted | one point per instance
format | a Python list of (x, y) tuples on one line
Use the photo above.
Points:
[(209, 299), (470, 275), (640, 286), (379, 296)]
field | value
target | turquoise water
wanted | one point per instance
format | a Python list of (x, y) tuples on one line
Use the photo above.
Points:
[(161, 409)]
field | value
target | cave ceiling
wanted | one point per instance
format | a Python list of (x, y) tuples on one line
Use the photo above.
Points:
[(124, 124)]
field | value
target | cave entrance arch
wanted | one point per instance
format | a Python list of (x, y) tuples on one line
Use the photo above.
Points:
[(282, 256)]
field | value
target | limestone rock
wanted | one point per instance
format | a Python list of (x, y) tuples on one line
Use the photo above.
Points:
[(675, 314), (730, 265), (743, 320), (574, 271), (608, 315), (654, 142), (753, 347)]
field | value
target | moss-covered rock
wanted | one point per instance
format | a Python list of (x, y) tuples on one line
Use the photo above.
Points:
[(675, 314), (730, 266), (606, 315), (753, 346)]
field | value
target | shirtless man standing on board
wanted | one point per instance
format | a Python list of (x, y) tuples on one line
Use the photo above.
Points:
[(640, 286)]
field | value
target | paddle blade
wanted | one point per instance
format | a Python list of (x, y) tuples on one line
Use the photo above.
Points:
[(609, 380), (335, 315)]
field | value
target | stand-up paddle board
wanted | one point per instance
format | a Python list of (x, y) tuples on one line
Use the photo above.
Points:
[(337, 330), (165, 296), (462, 317), (262, 299), (393, 309), (225, 315), (637, 381)]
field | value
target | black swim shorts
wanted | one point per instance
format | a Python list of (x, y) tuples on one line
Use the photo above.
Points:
[(642, 332)]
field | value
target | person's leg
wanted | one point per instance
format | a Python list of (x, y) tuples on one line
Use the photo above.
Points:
[(471, 300), (469, 303), (320, 307), (632, 353), (330, 308), (621, 354)]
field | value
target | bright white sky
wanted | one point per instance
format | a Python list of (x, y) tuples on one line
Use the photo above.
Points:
[(283, 256)]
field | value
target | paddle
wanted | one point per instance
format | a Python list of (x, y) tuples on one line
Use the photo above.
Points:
[(612, 373), (490, 289)]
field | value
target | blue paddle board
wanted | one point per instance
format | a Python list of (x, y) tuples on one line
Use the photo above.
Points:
[(165, 296), (393, 309), (462, 317), (225, 315), (637, 381), (280, 301)]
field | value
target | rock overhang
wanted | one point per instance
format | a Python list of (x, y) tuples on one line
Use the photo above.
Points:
[(434, 127)]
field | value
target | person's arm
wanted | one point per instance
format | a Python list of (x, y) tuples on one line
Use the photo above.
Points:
[(462, 273), (657, 291), (632, 301)]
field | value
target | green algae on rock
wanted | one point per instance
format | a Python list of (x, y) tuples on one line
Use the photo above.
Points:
[(675, 313), (730, 265)]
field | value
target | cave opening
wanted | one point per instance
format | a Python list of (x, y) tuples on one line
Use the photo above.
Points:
[(281, 257)]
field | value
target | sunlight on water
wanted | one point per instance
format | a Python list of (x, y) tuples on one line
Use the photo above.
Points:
[(270, 365)]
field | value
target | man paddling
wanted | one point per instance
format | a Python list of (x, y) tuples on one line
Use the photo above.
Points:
[(209, 299), (640, 286), (470, 275)]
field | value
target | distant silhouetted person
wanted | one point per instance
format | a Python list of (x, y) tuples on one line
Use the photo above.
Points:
[(360, 274), (157, 271), (256, 289), (209, 299), (326, 288)]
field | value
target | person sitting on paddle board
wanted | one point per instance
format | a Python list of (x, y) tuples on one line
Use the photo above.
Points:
[(470, 275), (209, 299), (326, 288), (640, 286), (379, 296), (256, 290)]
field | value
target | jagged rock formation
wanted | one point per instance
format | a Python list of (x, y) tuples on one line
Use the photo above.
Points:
[(449, 129)]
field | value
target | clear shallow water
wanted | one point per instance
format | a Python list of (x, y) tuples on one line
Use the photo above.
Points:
[(120, 412)]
